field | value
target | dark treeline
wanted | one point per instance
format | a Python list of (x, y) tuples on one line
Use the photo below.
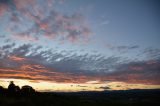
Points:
[(27, 96), (14, 90)]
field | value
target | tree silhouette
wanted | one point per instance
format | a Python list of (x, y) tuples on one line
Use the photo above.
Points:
[(27, 89), (2, 90), (13, 90)]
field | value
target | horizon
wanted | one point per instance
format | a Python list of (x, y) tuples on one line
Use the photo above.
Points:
[(75, 45), (46, 86)]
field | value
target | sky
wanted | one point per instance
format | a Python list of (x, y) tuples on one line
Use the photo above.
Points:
[(80, 45)]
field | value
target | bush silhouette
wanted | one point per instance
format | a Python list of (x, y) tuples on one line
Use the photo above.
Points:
[(27, 89), (17, 89)]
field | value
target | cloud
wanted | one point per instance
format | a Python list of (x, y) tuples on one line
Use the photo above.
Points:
[(5, 5), (35, 63), (121, 48), (2, 36), (40, 18), (104, 87), (81, 86), (106, 22), (151, 53), (145, 72), (25, 38), (2, 9), (15, 64), (8, 46), (16, 58)]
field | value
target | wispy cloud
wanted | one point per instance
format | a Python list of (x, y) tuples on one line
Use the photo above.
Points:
[(106, 22), (121, 48)]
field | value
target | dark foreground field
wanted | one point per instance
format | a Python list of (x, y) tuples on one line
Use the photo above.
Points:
[(106, 98)]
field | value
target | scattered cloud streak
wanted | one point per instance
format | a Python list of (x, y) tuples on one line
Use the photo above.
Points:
[(121, 48), (24, 63)]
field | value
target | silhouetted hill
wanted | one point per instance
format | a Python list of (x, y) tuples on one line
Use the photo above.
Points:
[(106, 98)]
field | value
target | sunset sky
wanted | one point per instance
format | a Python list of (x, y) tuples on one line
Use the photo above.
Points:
[(80, 45)]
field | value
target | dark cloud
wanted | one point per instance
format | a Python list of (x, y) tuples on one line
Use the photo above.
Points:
[(8, 46), (81, 86), (5, 1), (151, 53), (121, 48), (146, 72), (118, 86), (104, 87), (36, 63)]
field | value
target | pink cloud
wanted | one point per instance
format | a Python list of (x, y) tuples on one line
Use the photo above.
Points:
[(3, 9), (48, 22), (136, 68), (25, 38)]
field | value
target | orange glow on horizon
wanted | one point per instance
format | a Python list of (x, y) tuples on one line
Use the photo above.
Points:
[(73, 87)]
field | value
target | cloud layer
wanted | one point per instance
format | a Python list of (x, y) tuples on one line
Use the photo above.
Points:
[(34, 63)]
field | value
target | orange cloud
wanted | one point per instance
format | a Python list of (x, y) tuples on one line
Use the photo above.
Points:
[(38, 72), (16, 58)]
